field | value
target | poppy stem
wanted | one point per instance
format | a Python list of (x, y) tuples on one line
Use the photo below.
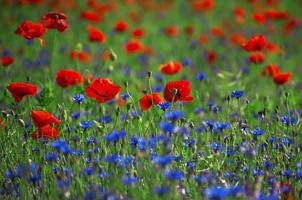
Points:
[(53, 53)]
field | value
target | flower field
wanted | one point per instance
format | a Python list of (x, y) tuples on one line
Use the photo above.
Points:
[(149, 99)]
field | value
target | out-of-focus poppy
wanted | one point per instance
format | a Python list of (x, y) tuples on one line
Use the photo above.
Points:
[(133, 46), (42, 118), (55, 20), (95, 35), (270, 70), (102, 90), (282, 78), (288, 27), (138, 32), (272, 48), (91, 16), (171, 31), (255, 43), (276, 15), (257, 57), (7, 60), (217, 31), (80, 56), (211, 56), (203, 39), (178, 91), (68, 77), (237, 38), (148, 100), (259, 18), (189, 30), (20, 90), (170, 68), (46, 132), (202, 5), (120, 26)]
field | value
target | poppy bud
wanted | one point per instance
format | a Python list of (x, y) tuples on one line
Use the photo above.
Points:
[(174, 91), (79, 47), (149, 74), (112, 55)]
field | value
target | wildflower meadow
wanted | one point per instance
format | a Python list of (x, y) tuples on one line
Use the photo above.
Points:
[(151, 99)]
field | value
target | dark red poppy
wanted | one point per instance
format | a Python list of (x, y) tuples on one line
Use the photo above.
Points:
[(238, 11), (7, 60), (138, 32), (288, 27), (178, 91), (30, 30), (170, 68), (133, 46), (210, 56), (148, 100), (42, 118), (46, 132), (257, 57), (259, 18), (202, 5), (282, 78), (120, 26), (171, 31), (68, 77), (55, 20), (255, 43), (189, 30), (95, 35), (102, 90), (20, 89), (275, 15), (91, 16)]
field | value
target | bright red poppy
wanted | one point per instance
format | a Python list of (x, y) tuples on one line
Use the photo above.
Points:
[(42, 118), (148, 100), (270, 70), (259, 18), (170, 68), (255, 43), (202, 5), (7, 60), (68, 77), (275, 15), (178, 91), (20, 90), (171, 31), (95, 35), (102, 90), (30, 30), (120, 26), (257, 57), (133, 46), (55, 20), (46, 132), (282, 78)]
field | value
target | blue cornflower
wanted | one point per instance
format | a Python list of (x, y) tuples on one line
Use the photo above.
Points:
[(87, 171), (85, 125), (237, 94), (288, 120), (105, 119), (166, 126), (161, 190), (114, 136), (129, 180), (287, 173), (51, 157), (164, 105), (257, 132), (124, 96), (200, 76), (163, 160), (220, 192), (92, 140), (299, 174), (139, 142), (75, 115), (173, 115), (174, 175), (216, 146), (198, 110), (158, 88), (78, 98)]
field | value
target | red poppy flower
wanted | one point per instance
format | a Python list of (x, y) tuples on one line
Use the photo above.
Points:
[(67, 77), (171, 31), (217, 31), (210, 56), (148, 100), (81, 56), (189, 30), (120, 26), (170, 68), (202, 5), (238, 11), (7, 60), (256, 43), (54, 20), (95, 35), (29, 30), (237, 38), (46, 132), (288, 27), (275, 15), (42, 118), (133, 46), (91, 16), (178, 91), (138, 32), (272, 48), (203, 39), (282, 78), (20, 89), (102, 90), (270, 70), (258, 18), (257, 57)]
